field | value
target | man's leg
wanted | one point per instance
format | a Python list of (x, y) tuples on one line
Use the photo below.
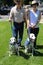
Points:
[(15, 32), (21, 29)]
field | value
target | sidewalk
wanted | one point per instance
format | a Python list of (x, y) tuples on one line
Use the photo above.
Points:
[(5, 18), (41, 21)]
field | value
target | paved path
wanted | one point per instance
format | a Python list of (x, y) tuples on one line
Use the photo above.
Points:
[(5, 18), (41, 21)]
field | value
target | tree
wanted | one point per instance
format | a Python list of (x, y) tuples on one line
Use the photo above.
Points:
[(8, 2), (11, 2), (27, 2)]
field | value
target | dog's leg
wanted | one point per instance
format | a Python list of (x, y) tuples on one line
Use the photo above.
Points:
[(11, 50), (17, 51), (32, 49)]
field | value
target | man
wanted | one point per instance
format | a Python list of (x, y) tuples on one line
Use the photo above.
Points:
[(17, 14), (33, 18)]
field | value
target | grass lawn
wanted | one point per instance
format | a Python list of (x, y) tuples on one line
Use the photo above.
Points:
[(5, 34)]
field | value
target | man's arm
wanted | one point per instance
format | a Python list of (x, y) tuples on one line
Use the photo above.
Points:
[(11, 15)]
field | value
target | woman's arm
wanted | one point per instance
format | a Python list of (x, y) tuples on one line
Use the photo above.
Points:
[(27, 19)]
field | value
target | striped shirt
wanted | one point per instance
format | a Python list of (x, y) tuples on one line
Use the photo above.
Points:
[(17, 14)]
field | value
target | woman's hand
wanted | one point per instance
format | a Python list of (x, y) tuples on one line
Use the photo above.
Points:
[(33, 26)]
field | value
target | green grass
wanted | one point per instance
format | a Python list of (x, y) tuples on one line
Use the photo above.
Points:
[(5, 34)]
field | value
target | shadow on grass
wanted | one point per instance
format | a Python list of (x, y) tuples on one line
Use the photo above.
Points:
[(24, 55), (39, 46), (37, 53), (22, 47)]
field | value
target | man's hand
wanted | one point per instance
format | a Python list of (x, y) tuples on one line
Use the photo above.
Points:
[(9, 19)]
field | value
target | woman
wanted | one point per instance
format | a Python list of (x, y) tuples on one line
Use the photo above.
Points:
[(33, 18)]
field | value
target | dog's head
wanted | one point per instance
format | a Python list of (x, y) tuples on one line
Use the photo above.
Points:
[(32, 37), (12, 40)]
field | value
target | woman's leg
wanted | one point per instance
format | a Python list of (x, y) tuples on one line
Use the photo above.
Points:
[(34, 31), (36, 34)]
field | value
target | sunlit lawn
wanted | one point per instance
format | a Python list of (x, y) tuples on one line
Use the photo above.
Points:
[(5, 34)]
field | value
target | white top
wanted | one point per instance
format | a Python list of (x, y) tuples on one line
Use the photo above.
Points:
[(17, 14), (34, 17)]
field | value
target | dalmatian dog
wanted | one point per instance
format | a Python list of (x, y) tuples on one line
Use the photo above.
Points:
[(29, 43), (13, 47), (32, 39)]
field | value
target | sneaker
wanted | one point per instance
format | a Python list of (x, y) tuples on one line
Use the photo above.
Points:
[(20, 47), (10, 53), (26, 50)]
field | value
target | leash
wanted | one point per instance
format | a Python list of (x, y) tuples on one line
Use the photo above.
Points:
[(11, 25)]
